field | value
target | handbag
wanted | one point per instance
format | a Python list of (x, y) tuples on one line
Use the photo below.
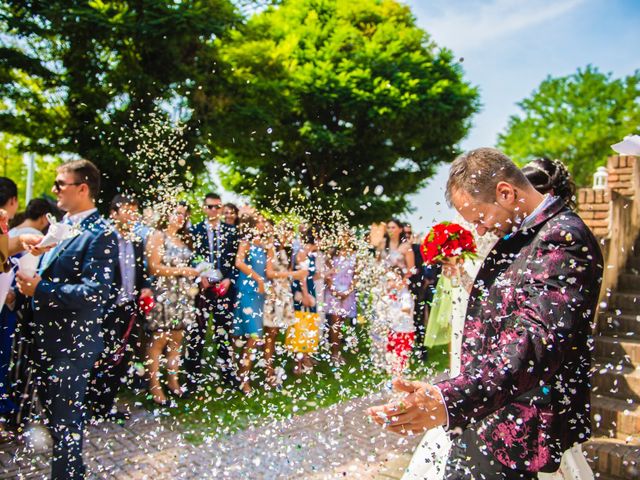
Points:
[(303, 336)]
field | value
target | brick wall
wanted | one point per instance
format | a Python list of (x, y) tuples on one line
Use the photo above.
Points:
[(594, 206), (613, 214), (621, 170)]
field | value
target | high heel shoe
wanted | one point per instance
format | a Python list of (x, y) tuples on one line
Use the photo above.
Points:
[(181, 393), (162, 403)]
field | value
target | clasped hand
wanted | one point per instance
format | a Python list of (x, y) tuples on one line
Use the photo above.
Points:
[(26, 284), (422, 409)]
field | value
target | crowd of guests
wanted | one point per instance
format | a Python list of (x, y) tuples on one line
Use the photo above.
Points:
[(139, 300)]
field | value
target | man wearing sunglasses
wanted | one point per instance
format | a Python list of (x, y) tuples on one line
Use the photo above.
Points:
[(217, 243), (71, 294)]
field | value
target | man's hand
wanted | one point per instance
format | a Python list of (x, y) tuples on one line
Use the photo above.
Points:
[(11, 297), (27, 285), (422, 409), (204, 282), (146, 292)]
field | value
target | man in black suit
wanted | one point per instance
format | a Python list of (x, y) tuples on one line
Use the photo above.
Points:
[(217, 243), (122, 325), (71, 293)]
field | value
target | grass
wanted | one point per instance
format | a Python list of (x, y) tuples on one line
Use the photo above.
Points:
[(218, 411)]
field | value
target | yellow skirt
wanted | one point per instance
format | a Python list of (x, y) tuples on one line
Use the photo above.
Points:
[(303, 336)]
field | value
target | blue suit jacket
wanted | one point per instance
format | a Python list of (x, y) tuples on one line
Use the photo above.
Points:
[(228, 247), (76, 289)]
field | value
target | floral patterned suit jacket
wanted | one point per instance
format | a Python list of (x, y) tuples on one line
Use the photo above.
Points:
[(524, 384)]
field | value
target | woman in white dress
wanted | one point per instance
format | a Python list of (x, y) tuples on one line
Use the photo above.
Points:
[(278, 307), (430, 457)]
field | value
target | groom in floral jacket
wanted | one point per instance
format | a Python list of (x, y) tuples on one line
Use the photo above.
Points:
[(523, 395)]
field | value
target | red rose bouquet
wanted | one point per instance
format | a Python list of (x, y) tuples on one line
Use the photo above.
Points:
[(448, 240), (446, 243)]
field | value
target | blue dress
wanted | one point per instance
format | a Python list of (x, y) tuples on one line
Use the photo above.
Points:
[(311, 284), (249, 309)]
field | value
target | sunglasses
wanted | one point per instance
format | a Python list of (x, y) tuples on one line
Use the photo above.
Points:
[(212, 207), (59, 184)]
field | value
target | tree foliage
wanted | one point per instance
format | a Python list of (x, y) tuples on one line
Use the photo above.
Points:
[(316, 97), (76, 75), (13, 165), (308, 97), (575, 118)]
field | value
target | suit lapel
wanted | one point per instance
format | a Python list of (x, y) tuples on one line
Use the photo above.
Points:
[(62, 246)]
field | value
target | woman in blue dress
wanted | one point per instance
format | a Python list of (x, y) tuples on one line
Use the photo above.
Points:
[(251, 262)]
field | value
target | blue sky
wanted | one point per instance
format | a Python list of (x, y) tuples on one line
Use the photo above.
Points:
[(509, 47)]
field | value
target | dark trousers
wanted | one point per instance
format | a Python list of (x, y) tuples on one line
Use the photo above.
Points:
[(418, 290), (209, 305), (63, 385), (111, 372), (7, 331), (470, 460)]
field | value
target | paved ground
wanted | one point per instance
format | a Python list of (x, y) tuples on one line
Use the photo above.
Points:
[(337, 442)]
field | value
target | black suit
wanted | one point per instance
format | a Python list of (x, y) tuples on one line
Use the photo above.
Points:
[(222, 254), (418, 290), (123, 335)]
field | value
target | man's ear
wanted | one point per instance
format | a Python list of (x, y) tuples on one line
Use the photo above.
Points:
[(505, 194), (84, 188)]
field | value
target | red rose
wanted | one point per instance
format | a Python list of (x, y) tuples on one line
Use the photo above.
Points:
[(429, 252), (466, 241), (454, 229)]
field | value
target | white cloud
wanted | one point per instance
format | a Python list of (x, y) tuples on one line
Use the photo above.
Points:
[(468, 26)]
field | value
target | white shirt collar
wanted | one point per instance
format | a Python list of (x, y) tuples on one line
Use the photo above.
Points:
[(546, 200), (77, 218)]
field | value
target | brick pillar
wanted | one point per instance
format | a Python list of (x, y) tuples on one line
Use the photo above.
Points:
[(594, 208), (621, 174)]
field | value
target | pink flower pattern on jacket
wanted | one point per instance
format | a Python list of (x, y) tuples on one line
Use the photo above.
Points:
[(524, 383)]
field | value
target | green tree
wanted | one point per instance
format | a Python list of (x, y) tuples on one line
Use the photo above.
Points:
[(318, 98), (76, 76), (13, 165), (575, 119)]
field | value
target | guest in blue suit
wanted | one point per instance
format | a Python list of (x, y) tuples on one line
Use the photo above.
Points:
[(71, 293), (216, 242)]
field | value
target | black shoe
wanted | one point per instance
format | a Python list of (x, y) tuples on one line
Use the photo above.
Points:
[(193, 388), (231, 381), (117, 417)]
